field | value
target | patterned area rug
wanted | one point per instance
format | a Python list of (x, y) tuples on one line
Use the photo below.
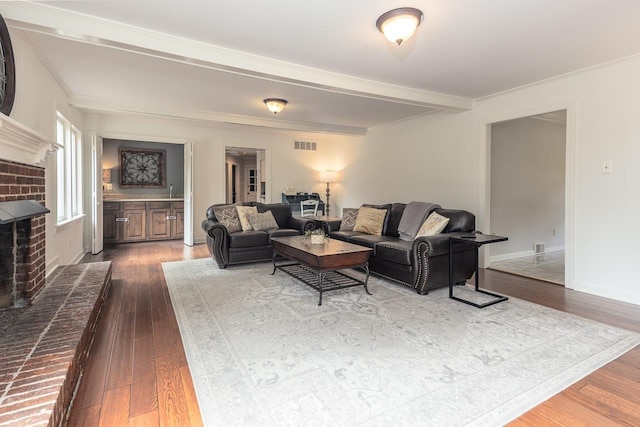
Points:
[(262, 352)]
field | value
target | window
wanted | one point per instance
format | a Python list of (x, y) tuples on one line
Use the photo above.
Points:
[(69, 170)]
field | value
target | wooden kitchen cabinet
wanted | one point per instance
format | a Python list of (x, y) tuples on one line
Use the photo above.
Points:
[(140, 221), (134, 224)]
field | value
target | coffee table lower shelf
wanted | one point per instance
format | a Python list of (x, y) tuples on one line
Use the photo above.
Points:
[(323, 281)]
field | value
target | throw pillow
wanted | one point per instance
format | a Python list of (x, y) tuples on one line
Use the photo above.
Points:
[(243, 213), (228, 216), (349, 216), (263, 221), (434, 224), (370, 220)]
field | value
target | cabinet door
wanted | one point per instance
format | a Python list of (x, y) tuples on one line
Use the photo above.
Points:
[(110, 226), (135, 226), (159, 223), (178, 224)]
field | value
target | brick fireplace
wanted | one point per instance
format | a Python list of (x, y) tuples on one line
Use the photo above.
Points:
[(22, 242)]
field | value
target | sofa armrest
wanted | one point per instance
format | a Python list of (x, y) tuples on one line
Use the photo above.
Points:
[(217, 241), (432, 245), (301, 224), (329, 226), (425, 248)]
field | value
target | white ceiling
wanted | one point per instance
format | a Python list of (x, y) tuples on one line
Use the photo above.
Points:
[(214, 60)]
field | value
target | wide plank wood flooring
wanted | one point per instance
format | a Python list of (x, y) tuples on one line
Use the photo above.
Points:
[(137, 373)]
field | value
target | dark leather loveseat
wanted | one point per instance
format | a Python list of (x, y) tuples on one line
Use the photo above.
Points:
[(422, 263), (249, 246)]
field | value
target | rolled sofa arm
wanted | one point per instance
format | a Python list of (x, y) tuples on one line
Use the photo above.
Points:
[(329, 226), (423, 248), (217, 238), (301, 224)]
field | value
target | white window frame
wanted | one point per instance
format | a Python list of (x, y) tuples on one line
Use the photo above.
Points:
[(69, 171)]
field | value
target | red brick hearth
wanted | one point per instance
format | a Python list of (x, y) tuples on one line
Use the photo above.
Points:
[(43, 353)]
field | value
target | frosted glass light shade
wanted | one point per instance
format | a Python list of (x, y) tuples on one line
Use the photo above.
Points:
[(398, 25), (275, 105)]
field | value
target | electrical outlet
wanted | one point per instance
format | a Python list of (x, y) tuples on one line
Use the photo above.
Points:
[(607, 166), (553, 233)]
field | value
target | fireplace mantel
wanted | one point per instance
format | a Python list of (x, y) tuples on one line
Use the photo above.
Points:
[(19, 143)]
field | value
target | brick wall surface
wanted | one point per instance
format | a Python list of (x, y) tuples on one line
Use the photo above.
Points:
[(25, 182)]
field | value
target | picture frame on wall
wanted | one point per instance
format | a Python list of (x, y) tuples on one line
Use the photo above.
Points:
[(142, 168)]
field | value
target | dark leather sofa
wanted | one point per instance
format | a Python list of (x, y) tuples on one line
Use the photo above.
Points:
[(249, 246), (423, 263)]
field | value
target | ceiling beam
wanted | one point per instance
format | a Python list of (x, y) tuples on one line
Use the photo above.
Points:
[(90, 29), (91, 104)]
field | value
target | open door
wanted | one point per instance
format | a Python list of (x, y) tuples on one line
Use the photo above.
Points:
[(96, 195), (188, 194)]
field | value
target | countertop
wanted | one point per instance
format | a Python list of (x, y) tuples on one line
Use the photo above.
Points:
[(165, 199)]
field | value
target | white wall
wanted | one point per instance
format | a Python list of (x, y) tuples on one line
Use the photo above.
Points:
[(432, 158), (448, 158), (285, 166), (38, 96), (527, 185)]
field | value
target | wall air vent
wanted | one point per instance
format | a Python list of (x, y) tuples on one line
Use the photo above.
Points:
[(304, 145), (538, 248)]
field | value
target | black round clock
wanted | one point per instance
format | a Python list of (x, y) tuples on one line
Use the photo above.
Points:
[(7, 70)]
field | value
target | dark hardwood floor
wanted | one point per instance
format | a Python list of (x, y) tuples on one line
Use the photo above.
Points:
[(137, 372)]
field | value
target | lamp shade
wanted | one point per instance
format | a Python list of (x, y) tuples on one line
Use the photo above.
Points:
[(106, 175), (398, 25), (328, 176)]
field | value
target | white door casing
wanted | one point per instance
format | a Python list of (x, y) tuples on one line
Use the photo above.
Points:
[(97, 242)]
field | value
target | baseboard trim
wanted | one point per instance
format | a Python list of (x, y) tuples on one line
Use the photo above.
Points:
[(514, 255)]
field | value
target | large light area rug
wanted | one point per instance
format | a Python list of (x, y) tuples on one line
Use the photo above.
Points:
[(262, 352)]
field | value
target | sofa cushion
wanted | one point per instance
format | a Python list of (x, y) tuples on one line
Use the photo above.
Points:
[(228, 216), (368, 240), (386, 207), (433, 225), (396, 251), (283, 232), (248, 239), (413, 217), (393, 220), (349, 216), (370, 220), (263, 221), (459, 220), (343, 235), (243, 213), (281, 212)]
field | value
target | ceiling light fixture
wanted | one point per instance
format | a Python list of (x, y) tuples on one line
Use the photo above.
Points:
[(275, 105), (398, 25)]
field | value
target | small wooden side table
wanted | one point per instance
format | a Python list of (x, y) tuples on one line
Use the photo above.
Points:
[(476, 240)]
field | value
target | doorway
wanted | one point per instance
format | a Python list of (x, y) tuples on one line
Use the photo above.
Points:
[(246, 177), (527, 195)]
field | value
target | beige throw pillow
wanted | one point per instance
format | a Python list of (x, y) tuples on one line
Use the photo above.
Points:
[(434, 224), (243, 213), (263, 221), (370, 220)]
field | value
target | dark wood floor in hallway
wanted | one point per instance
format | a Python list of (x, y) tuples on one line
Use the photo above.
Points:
[(137, 373)]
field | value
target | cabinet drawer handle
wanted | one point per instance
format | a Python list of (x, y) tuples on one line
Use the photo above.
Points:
[(122, 219), (170, 217)]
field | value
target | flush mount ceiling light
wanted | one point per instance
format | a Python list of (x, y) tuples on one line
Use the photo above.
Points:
[(275, 105), (398, 25)]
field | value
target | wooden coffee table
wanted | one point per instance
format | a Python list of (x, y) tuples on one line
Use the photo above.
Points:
[(318, 265)]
